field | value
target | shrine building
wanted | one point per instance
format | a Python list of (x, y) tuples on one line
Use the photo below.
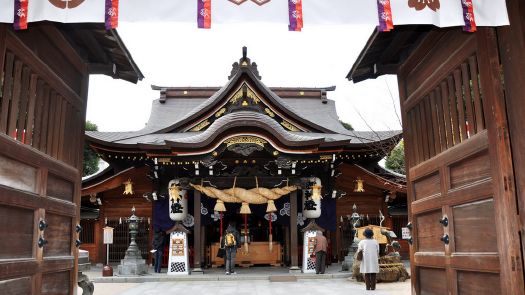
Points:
[(267, 158)]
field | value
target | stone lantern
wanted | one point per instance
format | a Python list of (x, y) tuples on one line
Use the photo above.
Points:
[(133, 264), (355, 220)]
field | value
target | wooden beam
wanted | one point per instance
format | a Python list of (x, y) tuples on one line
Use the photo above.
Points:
[(197, 232), (512, 44), (67, 51), (507, 222), (3, 36), (293, 232), (103, 69), (93, 45), (395, 46)]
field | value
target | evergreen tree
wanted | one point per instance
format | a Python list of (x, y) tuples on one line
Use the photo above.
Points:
[(396, 160), (348, 126), (90, 163)]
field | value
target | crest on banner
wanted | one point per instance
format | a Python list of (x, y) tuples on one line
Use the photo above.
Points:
[(258, 2), (421, 4), (66, 4)]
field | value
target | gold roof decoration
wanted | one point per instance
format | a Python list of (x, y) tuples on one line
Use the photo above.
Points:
[(200, 126), (244, 140), (128, 187)]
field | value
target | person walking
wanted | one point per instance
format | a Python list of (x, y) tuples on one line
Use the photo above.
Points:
[(320, 252), (231, 240), (158, 248), (369, 264)]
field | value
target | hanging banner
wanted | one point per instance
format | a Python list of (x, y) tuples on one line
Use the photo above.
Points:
[(111, 14), (442, 13), (384, 11), (20, 15), (295, 15), (468, 15), (204, 14)]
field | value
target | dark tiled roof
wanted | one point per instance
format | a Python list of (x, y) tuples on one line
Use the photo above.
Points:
[(174, 112), (104, 50), (385, 51)]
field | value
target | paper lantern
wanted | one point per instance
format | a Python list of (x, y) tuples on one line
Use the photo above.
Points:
[(178, 201), (312, 199)]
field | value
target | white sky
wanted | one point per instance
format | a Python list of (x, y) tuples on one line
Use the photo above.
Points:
[(181, 55)]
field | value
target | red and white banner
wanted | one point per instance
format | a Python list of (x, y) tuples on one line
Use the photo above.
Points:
[(442, 13)]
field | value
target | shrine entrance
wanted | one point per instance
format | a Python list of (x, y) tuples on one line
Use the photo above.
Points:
[(459, 98)]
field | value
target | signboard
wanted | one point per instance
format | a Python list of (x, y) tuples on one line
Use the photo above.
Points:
[(108, 235), (177, 247), (308, 249), (178, 255), (405, 233)]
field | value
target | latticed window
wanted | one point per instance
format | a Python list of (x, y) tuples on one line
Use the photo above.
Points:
[(87, 235)]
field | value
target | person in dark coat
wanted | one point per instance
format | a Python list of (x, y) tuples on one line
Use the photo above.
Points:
[(321, 245), (231, 250), (158, 248)]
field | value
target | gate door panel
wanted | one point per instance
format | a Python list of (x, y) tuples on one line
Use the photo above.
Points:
[(459, 193)]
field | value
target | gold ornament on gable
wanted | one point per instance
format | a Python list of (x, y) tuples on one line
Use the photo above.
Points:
[(269, 112), (128, 187), (200, 126), (289, 126), (359, 185), (220, 112), (244, 140)]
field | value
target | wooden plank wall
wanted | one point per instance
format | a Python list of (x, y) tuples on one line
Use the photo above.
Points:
[(43, 90)]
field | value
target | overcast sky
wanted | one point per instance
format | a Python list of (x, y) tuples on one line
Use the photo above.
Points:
[(182, 55)]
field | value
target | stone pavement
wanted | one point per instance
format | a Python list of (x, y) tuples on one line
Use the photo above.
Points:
[(251, 281), (258, 287)]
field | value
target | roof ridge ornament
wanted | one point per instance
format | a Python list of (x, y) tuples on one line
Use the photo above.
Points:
[(244, 63)]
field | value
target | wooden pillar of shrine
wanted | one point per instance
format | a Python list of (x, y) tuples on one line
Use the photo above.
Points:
[(197, 233), (294, 267)]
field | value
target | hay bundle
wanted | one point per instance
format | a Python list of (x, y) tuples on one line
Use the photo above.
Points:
[(223, 196), (267, 193), (390, 270), (204, 190), (246, 195), (258, 195), (284, 190)]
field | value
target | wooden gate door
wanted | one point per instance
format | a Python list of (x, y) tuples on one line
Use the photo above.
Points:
[(462, 200), (41, 127)]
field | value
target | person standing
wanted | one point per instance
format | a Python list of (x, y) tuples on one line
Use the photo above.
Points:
[(231, 240), (369, 264), (321, 246), (158, 248)]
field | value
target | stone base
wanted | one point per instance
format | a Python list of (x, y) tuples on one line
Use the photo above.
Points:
[(197, 271), (346, 265), (295, 269), (132, 267)]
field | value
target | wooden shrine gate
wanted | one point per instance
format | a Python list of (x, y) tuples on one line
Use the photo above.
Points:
[(462, 198), (41, 111), (43, 93)]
